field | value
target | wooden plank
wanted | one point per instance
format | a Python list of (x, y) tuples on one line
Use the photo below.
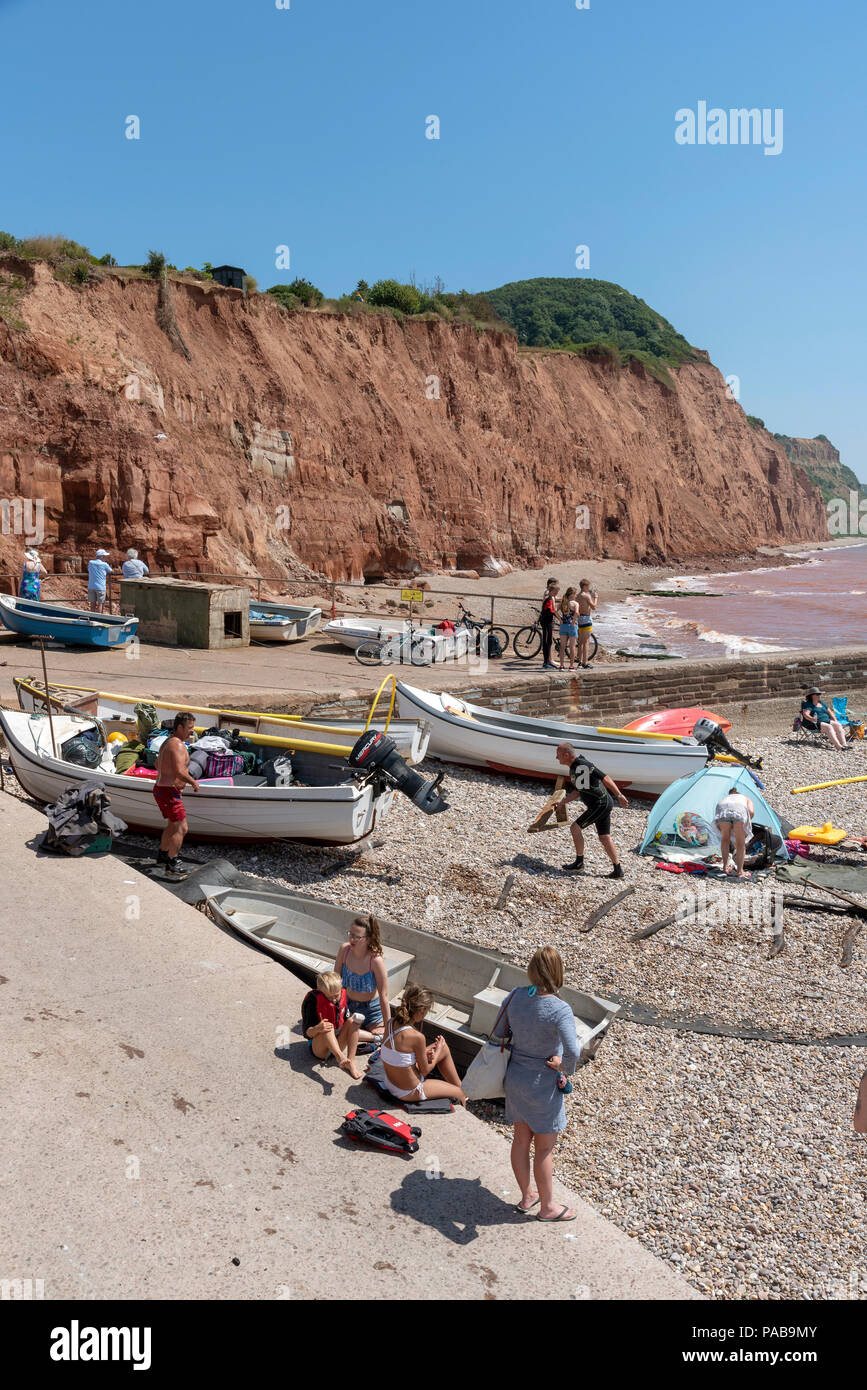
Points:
[(553, 806)]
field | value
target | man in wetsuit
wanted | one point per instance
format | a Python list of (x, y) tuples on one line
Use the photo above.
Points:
[(546, 622), (598, 793)]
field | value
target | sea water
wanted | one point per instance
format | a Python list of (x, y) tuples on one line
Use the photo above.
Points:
[(821, 601)]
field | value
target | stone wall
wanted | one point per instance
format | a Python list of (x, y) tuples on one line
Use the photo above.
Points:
[(615, 695)]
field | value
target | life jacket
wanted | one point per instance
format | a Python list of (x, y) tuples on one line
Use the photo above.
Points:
[(445, 626), (382, 1131), (335, 1013)]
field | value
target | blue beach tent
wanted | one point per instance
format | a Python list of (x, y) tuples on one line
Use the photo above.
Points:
[(700, 795)]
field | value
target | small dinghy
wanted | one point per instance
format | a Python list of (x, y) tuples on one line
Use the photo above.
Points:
[(72, 626), (468, 985), (282, 622), (676, 721)]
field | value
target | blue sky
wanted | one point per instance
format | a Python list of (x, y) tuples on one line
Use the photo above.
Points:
[(306, 127)]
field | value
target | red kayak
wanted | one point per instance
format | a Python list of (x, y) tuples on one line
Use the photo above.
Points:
[(675, 721)]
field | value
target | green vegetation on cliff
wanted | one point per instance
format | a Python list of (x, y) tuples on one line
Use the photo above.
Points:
[(593, 317), (821, 462)]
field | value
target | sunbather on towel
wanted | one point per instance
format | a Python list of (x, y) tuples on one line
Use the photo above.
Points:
[(734, 814)]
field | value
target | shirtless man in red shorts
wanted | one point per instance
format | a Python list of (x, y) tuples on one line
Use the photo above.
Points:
[(172, 775)]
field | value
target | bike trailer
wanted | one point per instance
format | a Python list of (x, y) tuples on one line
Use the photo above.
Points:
[(382, 1131)]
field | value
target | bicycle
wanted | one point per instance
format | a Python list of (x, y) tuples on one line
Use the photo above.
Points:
[(386, 650), (527, 642), (478, 626)]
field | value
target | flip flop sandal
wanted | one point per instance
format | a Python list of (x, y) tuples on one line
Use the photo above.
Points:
[(562, 1217), (525, 1211)]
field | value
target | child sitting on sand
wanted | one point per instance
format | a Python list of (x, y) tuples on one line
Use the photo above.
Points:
[(328, 1025)]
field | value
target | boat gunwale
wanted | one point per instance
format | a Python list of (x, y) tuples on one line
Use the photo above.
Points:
[(625, 745)]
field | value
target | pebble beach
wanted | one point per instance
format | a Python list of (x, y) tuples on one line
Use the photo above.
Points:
[(735, 1161)]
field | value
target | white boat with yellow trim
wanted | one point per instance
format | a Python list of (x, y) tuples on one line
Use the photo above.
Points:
[(409, 736)]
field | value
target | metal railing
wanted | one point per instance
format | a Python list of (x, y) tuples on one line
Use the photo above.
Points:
[(501, 606)]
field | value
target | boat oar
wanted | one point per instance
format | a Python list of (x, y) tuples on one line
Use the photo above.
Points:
[(305, 744), (637, 733), (819, 786), (47, 701)]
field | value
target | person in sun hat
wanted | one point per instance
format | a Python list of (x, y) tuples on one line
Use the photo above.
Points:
[(32, 573), (816, 715), (97, 572)]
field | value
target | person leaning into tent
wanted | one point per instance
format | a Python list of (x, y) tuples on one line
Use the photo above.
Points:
[(734, 816), (598, 793)]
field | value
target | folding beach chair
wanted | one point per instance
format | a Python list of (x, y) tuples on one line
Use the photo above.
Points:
[(854, 722)]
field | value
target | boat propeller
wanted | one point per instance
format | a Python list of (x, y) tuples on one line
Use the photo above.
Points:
[(375, 753), (709, 733)]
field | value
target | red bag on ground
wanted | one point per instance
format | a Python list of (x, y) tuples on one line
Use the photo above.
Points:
[(382, 1131)]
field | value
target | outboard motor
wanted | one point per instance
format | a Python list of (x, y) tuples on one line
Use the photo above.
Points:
[(375, 753), (709, 733)]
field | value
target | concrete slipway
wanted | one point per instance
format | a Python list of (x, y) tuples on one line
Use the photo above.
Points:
[(162, 1119)]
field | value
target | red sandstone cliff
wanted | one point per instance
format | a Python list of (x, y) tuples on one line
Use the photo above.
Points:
[(361, 445)]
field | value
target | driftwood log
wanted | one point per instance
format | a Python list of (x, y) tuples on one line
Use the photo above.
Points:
[(605, 909)]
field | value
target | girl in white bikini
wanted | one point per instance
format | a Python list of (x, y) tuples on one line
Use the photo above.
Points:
[(408, 1067)]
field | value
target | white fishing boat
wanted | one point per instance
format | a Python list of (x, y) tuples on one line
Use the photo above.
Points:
[(350, 632), (327, 804), (468, 985), (376, 642), (410, 738), (282, 622), (478, 737)]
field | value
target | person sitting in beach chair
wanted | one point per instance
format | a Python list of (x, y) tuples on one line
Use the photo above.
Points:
[(816, 717), (328, 1025), (409, 1063)]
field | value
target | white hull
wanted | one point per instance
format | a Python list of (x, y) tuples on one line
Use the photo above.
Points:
[(417, 646), (337, 815), (410, 738), (351, 633), (297, 623), (511, 743), (284, 631)]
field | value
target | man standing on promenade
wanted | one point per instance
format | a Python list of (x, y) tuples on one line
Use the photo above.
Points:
[(133, 567), (97, 572), (598, 793), (546, 622), (173, 761)]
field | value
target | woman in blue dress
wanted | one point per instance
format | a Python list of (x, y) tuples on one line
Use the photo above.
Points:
[(544, 1045), (32, 573)]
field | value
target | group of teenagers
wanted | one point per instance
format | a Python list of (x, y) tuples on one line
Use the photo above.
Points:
[(573, 615), (349, 1010)]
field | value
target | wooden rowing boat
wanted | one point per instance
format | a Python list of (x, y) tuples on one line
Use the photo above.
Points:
[(56, 622), (468, 985)]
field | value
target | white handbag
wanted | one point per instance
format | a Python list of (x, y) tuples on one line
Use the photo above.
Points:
[(485, 1077)]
